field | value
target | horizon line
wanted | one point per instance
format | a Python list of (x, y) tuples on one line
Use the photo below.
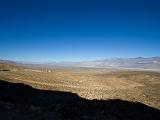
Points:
[(61, 61)]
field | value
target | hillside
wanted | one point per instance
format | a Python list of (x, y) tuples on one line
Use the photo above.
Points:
[(77, 93)]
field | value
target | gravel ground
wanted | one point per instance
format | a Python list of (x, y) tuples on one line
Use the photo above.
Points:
[(70, 94)]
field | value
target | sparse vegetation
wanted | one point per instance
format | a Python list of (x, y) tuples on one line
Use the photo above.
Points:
[(102, 84)]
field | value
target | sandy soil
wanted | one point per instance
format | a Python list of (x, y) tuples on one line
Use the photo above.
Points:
[(140, 86)]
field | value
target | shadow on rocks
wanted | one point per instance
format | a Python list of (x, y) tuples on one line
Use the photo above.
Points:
[(22, 102)]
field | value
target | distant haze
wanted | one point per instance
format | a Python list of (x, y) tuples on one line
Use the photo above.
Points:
[(151, 63)]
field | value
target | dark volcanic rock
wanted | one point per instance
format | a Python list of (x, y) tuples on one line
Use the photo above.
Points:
[(22, 102)]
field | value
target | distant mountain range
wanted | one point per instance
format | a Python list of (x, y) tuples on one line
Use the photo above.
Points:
[(128, 63), (152, 63), (124, 62)]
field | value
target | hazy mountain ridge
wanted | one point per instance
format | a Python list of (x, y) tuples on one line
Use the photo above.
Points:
[(137, 63), (146, 63), (130, 63)]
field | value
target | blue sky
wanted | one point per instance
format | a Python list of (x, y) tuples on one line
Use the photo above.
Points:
[(75, 30)]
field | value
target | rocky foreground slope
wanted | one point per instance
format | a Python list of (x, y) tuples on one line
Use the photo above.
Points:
[(22, 102), (78, 94)]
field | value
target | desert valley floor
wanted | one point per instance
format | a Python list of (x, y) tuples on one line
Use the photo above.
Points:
[(88, 84)]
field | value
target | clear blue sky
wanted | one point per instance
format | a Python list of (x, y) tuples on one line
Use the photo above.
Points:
[(64, 30)]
